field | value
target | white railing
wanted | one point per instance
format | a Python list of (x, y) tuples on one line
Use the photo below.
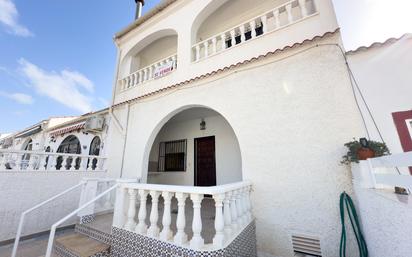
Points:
[(232, 212), (14, 160), (72, 214), (148, 73), (273, 20), (370, 173)]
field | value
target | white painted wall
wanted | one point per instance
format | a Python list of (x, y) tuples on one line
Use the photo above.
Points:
[(228, 160), (386, 217), (22, 190), (156, 51), (291, 113), (383, 74)]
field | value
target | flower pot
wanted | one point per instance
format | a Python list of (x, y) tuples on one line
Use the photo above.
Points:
[(365, 153)]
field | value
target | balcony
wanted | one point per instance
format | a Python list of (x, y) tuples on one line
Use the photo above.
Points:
[(195, 218), (156, 70), (24, 161), (270, 21)]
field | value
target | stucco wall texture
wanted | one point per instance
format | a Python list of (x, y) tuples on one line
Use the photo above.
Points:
[(23, 190), (292, 113)]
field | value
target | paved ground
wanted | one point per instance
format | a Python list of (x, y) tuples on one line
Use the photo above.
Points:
[(32, 247)]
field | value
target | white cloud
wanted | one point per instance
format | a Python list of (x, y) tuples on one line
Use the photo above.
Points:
[(18, 97), (64, 87), (9, 18)]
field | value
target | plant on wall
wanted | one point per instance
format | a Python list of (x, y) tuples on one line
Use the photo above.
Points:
[(355, 146)]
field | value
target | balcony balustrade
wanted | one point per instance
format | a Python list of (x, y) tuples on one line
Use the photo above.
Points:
[(273, 20), (153, 71), (11, 160), (216, 214)]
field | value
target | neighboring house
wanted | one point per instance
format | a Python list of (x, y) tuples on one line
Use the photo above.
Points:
[(6, 140), (83, 135), (382, 72)]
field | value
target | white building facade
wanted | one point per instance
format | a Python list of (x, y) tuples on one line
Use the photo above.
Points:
[(207, 96)]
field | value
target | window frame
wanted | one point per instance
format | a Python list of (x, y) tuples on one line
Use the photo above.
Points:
[(180, 147)]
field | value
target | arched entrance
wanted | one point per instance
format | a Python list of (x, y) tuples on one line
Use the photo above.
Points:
[(195, 147), (71, 145), (94, 150)]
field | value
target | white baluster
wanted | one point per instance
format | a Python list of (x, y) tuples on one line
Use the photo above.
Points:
[(32, 162), (276, 17), (141, 76), (214, 48), (53, 162), (252, 25), (303, 9), (245, 206), (151, 72), (242, 33), (264, 24), (197, 52), (206, 47), (153, 230), (89, 163), (223, 37), (249, 203), (174, 60), (233, 211), (3, 161), (233, 37), (227, 214), (166, 233), (108, 204), (180, 237), (197, 241), (131, 212), (19, 162), (239, 205), (141, 227), (43, 163), (73, 164), (219, 238), (289, 12)]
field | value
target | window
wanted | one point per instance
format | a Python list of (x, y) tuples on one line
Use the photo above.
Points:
[(248, 35), (172, 155)]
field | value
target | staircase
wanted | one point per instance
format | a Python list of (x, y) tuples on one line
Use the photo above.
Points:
[(89, 240)]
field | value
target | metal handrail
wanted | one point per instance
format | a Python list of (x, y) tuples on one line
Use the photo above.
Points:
[(54, 227), (18, 235)]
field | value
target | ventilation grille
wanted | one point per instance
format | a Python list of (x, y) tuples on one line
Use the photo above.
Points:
[(306, 244)]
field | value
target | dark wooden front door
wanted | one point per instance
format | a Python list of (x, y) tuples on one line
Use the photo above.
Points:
[(205, 163)]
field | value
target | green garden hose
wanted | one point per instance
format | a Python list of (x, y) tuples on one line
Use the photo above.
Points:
[(346, 201)]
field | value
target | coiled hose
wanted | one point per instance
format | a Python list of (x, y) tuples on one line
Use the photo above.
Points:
[(347, 203)]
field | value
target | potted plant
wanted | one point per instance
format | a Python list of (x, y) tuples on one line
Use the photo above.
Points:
[(363, 149)]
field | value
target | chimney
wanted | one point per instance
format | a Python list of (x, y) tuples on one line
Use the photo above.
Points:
[(139, 6)]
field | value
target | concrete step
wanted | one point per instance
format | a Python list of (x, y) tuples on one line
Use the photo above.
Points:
[(80, 245)]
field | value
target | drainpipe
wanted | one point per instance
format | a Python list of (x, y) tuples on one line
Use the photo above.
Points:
[(139, 7)]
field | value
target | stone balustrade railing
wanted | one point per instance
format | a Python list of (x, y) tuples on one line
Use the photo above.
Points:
[(155, 70), (232, 206), (273, 20), (14, 160)]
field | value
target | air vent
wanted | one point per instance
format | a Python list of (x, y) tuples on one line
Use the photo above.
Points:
[(308, 245)]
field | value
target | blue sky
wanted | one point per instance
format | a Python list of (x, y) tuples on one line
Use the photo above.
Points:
[(57, 58)]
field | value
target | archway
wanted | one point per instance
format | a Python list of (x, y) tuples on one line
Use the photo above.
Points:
[(195, 147), (94, 150), (70, 145)]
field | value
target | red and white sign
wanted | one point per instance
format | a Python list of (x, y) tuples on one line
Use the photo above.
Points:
[(164, 69)]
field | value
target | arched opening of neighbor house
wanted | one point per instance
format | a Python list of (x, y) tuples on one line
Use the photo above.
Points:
[(196, 147), (71, 145), (94, 150)]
